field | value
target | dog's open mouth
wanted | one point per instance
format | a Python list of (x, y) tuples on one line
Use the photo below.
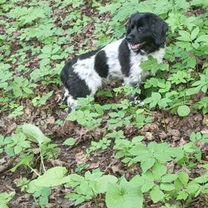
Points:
[(136, 47)]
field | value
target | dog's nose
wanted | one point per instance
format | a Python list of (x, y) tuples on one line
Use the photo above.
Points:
[(130, 37)]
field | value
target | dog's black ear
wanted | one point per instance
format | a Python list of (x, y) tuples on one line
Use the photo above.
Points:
[(160, 28), (130, 20)]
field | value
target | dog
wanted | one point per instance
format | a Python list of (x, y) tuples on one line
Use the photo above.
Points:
[(83, 76)]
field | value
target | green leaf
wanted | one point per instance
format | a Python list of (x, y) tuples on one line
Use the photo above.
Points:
[(17, 112), (184, 36), (145, 181), (147, 185), (123, 196), (168, 178), (158, 170), (167, 187), (183, 110), (147, 164), (5, 198), (203, 38), (183, 177), (150, 65), (153, 100), (193, 187), (156, 194), (194, 33), (42, 194), (34, 133), (189, 147), (70, 141), (202, 179), (182, 195), (102, 183), (193, 90), (51, 178), (26, 160), (141, 151)]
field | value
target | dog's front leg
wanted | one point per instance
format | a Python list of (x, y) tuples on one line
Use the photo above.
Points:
[(134, 80)]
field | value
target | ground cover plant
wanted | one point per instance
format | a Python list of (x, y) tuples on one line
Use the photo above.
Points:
[(110, 152)]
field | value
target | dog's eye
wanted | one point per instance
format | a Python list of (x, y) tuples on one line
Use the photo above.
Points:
[(132, 26)]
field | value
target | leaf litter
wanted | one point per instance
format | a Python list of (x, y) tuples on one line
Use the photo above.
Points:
[(164, 127)]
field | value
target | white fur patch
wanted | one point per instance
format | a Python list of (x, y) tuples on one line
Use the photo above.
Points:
[(112, 52), (85, 69), (158, 55), (72, 103)]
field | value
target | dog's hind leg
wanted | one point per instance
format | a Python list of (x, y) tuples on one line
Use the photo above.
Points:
[(69, 100), (72, 103), (66, 94)]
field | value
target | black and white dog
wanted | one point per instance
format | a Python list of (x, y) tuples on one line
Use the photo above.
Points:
[(146, 35)]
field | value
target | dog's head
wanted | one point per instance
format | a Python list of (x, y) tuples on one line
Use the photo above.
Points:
[(146, 31)]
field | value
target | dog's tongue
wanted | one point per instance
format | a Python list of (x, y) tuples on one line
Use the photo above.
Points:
[(137, 46)]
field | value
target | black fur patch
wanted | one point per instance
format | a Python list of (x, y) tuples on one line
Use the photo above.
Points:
[(124, 57), (88, 54), (76, 86), (101, 66)]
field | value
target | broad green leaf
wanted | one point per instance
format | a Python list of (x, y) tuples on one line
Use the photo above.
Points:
[(156, 194), (147, 164), (193, 90), (5, 198), (153, 100), (42, 194), (94, 175), (146, 182), (183, 177), (194, 33), (193, 188), (150, 65), (182, 195), (141, 151), (123, 197), (147, 186), (168, 178), (51, 178), (183, 110), (162, 152), (75, 180), (202, 179), (167, 187), (34, 133), (102, 183), (199, 3), (202, 38), (86, 189), (158, 170), (189, 147), (184, 36)]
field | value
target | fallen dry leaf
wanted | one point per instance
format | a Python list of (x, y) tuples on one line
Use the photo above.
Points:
[(50, 120), (94, 165), (149, 136), (11, 128), (115, 168), (81, 158)]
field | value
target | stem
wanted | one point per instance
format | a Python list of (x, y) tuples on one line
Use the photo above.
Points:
[(34, 171), (41, 160)]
